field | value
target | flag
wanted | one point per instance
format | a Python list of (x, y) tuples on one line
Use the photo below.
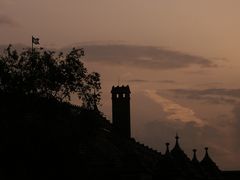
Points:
[(35, 40)]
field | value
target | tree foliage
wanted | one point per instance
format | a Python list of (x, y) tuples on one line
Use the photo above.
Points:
[(49, 74)]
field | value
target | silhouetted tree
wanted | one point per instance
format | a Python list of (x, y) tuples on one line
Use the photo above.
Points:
[(49, 74)]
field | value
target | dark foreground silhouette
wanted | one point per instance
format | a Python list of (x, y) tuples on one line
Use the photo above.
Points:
[(44, 139)]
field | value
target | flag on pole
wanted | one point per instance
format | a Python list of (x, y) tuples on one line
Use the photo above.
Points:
[(35, 40)]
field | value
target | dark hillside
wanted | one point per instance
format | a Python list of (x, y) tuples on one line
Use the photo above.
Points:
[(40, 137)]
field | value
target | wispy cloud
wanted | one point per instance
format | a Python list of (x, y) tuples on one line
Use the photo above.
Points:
[(216, 96), (175, 111), (143, 56)]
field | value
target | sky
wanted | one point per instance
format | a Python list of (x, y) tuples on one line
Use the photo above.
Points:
[(180, 58)]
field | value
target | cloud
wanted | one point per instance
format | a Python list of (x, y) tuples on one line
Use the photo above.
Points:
[(138, 81), (147, 81), (148, 57), (167, 81), (175, 111), (196, 72), (213, 95), (7, 21), (209, 84)]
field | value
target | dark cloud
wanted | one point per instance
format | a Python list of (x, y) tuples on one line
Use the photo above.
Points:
[(138, 81), (167, 81), (217, 96), (209, 84), (196, 72), (147, 81), (143, 56), (7, 21)]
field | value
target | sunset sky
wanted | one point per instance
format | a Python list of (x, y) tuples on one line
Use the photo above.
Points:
[(181, 59)]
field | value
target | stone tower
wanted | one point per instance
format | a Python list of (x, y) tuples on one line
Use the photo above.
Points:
[(121, 110)]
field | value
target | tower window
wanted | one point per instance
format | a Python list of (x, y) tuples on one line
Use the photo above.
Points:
[(124, 95), (117, 95)]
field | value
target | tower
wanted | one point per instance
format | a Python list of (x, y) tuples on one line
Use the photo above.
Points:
[(121, 110)]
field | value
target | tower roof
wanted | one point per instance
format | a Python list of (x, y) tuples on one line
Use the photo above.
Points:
[(121, 89), (207, 160), (194, 159), (177, 152), (209, 165), (167, 149)]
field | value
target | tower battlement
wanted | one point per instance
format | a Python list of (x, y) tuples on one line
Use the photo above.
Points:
[(120, 92)]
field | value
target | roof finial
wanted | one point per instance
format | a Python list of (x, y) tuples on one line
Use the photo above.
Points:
[(195, 155), (167, 150), (177, 138), (206, 151)]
